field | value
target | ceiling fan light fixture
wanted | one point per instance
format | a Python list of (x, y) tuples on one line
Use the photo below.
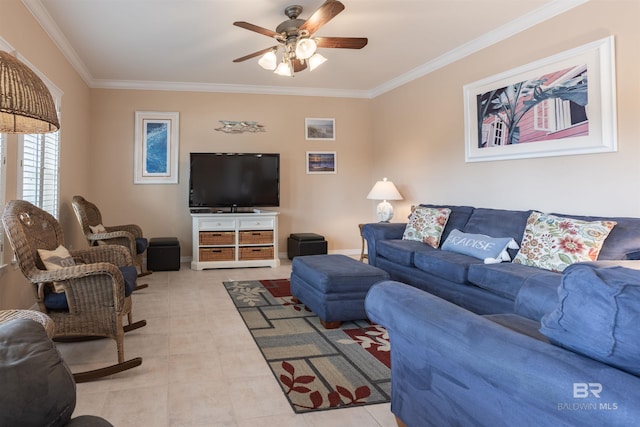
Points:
[(305, 48), (284, 69), (315, 61), (268, 61)]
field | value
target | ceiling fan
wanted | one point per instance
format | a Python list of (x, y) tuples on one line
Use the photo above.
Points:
[(296, 44)]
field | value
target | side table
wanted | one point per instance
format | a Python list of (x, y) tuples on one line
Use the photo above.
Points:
[(363, 256)]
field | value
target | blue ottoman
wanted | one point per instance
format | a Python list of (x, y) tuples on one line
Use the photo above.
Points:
[(333, 286)]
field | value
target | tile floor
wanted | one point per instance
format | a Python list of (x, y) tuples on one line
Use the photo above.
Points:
[(200, 365)]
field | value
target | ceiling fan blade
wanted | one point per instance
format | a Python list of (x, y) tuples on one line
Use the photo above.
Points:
[(322, 15), (257, 29), (298, 65), (342, 42), (254, 54)]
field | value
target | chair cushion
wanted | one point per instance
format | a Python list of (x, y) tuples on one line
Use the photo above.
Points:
[(58, 300), (130, 275), (597, 315), (37, 386), (141, 244)]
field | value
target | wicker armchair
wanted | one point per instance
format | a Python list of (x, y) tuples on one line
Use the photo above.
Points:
[(94, 288), (128, 235)]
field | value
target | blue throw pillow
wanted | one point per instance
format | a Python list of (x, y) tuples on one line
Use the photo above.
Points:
[(597, 315), (490, 249)]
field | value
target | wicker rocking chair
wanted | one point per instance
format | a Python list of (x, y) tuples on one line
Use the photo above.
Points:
[(94, 301), (128, 235)]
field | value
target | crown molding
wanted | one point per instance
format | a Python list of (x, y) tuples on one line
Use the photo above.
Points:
[(226, 88), (51, 28), (548, 11), (514, 27)]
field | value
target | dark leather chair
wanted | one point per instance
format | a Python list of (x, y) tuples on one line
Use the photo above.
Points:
[(37, 386)]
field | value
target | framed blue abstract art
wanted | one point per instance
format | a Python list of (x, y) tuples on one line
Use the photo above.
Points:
[(156, 147)]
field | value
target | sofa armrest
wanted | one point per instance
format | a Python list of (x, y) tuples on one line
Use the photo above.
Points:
[(373, 232), (453, 367)]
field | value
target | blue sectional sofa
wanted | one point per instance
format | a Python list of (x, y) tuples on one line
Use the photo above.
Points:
[(470, 283), (475, 344), (451, 367)]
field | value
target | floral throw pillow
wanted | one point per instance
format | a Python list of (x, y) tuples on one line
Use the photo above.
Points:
[(426, 225), (554, 243)]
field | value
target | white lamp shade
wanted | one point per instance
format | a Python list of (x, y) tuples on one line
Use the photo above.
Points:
[(268, 61), (384, 190), (315, 61), (305, 48)]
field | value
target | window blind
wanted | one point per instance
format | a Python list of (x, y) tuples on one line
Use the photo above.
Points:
[(40, 171), (3, 183)]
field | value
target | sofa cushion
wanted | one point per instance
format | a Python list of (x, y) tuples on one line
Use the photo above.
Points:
[(597, 315), (554, 243), (451, 266), (499, 223), (506, 279), (426, 225), (489, 249), (401, 251), (538, 295)]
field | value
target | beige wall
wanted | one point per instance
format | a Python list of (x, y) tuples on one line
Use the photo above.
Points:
[(414, 135), (331, 205), (22, 32), (419, 132)]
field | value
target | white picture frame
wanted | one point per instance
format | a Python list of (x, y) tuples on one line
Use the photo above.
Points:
[(316, 129), (156, 147), (535, 110), (322, 162)]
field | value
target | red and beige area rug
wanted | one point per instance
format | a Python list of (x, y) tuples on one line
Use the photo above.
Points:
[(317, 368)]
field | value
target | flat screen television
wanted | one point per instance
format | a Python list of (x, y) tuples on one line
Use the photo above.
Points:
[(234, 180)]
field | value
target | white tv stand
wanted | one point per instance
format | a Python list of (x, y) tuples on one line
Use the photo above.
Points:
[(235, 240)]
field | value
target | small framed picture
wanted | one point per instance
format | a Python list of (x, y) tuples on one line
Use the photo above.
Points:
[(322, 162), (320, 129)]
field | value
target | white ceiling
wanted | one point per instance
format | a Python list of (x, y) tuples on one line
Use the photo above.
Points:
[(190, 44)]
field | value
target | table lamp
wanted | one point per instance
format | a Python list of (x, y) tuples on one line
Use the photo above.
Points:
[(384, 190)]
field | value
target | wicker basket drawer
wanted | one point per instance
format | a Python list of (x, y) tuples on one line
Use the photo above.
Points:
[(217, 237), (217, 254), (256, 237), (256, 252)]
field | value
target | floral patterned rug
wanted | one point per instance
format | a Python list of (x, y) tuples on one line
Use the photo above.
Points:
[(317, 368)]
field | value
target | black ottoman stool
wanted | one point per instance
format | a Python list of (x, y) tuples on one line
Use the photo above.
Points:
[(301, 244), (163, 254), (333, 286)]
